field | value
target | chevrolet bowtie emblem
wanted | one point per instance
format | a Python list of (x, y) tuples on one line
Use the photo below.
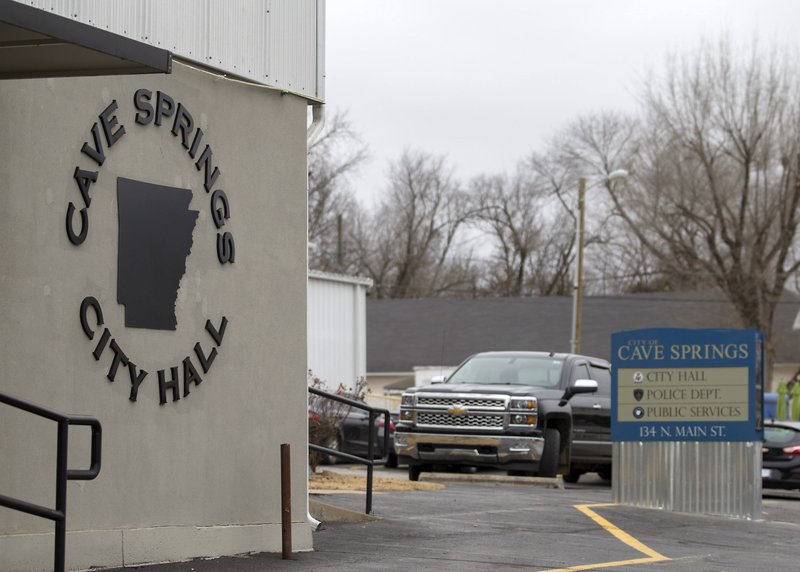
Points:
[(457, 409)]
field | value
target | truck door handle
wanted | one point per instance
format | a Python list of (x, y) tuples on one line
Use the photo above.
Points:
[(597, 406)]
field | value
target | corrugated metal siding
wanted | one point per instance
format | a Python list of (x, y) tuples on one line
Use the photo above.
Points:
[(293, 25), (336, 331), (696, 477), (271, 42)]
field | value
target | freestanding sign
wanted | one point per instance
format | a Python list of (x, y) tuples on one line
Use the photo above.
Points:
[(687, 419), (687, 385)]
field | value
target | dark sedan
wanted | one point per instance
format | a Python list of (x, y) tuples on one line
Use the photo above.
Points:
[(353, 437), (781, 454)]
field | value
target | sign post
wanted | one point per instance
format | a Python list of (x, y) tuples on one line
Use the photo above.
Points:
[(687, 420)]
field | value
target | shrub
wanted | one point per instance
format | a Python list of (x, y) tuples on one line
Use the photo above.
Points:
[(325, 415)]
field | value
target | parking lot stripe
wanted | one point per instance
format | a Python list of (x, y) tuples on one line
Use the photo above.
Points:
[(652, 555)]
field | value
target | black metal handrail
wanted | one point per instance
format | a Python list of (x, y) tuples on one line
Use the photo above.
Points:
[(63, 473), (369, 461)]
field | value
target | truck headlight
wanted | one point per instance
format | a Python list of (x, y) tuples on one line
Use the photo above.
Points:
[(407, 399), (524, 404), (523, 411)]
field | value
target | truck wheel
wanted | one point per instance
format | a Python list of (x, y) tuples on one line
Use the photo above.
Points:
[(548, 464), (414, 472), (572, 476)]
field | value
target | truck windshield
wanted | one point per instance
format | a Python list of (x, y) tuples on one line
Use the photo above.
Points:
[(509, 370)]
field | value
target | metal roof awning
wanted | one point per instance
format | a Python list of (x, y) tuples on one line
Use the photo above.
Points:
[(35, 43)]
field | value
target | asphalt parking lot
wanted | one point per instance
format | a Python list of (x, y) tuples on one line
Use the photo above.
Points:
[(475, 526)]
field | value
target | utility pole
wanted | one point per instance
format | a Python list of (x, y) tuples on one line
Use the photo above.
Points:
[(577, 302)]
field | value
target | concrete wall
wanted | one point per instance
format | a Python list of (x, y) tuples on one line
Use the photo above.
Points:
[(195, 477)]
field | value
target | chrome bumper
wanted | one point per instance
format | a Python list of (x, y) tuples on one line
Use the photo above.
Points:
[(479, 449)]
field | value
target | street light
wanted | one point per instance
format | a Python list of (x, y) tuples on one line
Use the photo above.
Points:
[(577, 297)]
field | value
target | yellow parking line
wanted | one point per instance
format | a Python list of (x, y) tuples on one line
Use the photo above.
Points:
[(652, 555)]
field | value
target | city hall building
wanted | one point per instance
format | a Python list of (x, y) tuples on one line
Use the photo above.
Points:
[(153, 274)]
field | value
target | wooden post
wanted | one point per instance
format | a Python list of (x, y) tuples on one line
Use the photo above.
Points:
[(286, 501)]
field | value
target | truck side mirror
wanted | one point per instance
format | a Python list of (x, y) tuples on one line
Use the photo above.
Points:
[(438, 379), (576, 387)]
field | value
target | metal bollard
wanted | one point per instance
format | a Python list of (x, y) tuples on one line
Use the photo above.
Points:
[(286, 501)]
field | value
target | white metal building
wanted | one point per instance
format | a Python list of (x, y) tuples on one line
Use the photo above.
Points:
[(337, 328)]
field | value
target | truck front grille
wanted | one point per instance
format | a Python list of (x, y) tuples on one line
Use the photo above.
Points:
[(430, 420), (487, 412), (445, 401)]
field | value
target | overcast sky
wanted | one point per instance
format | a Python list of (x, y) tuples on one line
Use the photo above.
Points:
[(487, 82)]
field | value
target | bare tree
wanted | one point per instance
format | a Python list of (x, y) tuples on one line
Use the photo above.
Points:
[(593, 146), (510, 215), (532, 245), (557, 173), (716, 189), (332, 159), (550, 275), (409, 247), (618, 256), (624, 264)]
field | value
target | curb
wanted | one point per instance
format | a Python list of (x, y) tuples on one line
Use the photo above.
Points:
[(548, 483), (328, 513), (780, 493)]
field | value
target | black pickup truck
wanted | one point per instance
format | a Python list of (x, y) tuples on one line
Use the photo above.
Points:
[(525, 412)]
